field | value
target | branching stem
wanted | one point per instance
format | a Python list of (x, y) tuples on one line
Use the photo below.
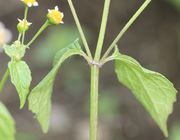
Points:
[(126, 27), (96, 63)]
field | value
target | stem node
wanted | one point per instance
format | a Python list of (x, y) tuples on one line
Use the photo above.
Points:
[(96, 63)]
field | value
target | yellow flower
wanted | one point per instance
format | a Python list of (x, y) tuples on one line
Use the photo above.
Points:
[(55, 16), (30, 3), (23, 25)]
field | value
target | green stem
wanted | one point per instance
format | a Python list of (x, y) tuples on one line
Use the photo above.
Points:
[(102, 30), (4, 79), (126, 27), (19, 37), (80, 28), (94, 102), (43, 27), (25, 18)]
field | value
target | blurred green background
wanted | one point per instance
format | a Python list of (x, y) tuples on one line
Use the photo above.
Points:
[(154, 40)]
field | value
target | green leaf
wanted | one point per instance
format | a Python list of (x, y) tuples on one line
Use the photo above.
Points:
[(7, 125), (40, 96), (174, 132), (73, 48), (15, 51), (155, 92), (21, 78), (175, 3)]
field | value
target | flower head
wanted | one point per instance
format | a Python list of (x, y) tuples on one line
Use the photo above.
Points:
[(23, 25), (55, 16), (30, 3), (5, 36)]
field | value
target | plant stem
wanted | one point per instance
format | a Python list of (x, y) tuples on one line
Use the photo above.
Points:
[(102, 30), (94, 102), (126, 27), (43, 27), (84, 40), (25, 18), (19, 37), (4, 79)]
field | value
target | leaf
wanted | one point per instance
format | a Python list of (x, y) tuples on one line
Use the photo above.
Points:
[(15, 51), (74, 48), (155, 92), (175, 3), (174, 132), (7, 125), (40, 96), (21, 78)]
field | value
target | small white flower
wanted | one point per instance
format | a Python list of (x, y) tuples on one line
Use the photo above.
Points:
[(5, 36), (30, 3)]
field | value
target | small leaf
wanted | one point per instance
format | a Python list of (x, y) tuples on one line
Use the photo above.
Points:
[(7, 125), (21, 78), (15, 51), (40, 96), (155, 92)]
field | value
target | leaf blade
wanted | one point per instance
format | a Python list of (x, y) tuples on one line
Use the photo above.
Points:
[(21, 79), (40, 96), (154, 91), (7, 124)]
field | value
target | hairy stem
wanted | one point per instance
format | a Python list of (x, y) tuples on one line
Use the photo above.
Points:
[(102, 30), (4, 79), (126, 27), (94, 102), (80, 28), (43, 27)]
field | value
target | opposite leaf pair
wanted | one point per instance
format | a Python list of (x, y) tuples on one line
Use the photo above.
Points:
[(155, 92)]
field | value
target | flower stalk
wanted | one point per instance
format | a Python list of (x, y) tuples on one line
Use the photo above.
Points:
[(84, 40), (102, 30), (43, 27), (25, 18), (126, 27)]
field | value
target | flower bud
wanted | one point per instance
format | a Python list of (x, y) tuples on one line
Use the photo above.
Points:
[(55, 16), (23, 26)]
